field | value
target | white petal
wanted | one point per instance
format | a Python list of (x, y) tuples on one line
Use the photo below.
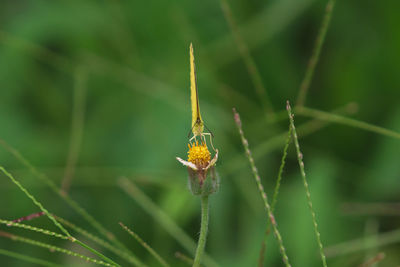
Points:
[(187, 163), (213, 161)]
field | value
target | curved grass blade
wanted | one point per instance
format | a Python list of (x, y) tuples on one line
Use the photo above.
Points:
[(247, 58), (53, 248), (364, 243), (186, 259), (73, 204), (261, 189), (97, 240), (161, 217), (312, 63), (79, 230), (331, 117), (303, 175), (145, 245), (77, 126), (51, 217), (36, 229), (275, 142), (372, 261), (37, 203), (29, 259), (275, 196), (273, 19)]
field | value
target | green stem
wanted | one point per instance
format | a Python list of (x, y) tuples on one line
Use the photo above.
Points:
[(331, 117), (306, 187), (203, 231), (261, 189), (26, 258), (161, 217), (97, 253), (72, 203), (275, 197), (319, 42), (249, 62), (51, 217)]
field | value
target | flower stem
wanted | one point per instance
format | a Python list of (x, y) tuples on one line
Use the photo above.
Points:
[(203, 231)]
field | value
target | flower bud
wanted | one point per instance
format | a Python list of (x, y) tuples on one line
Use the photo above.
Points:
[(203, 178)]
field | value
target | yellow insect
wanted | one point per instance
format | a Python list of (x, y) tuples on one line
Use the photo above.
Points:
[(197, 122)]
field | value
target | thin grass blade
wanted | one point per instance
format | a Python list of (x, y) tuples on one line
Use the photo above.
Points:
[(303, 175), (145, 245), (54, 248), (275, 196), (331, 117), (73, 204), (29, 259), (312, 63), (163, 219), (261, 188), (51, 217)]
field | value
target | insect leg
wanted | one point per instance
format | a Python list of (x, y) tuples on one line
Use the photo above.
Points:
[(211, 138), (193, 137), (211, 134)]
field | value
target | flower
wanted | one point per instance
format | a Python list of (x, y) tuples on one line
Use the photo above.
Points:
[(199, 154), (199, 165)]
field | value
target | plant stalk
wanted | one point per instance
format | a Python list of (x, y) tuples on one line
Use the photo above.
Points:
[(203, 231)]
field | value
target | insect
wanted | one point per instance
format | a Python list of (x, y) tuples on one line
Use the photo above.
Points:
[(197, 122)]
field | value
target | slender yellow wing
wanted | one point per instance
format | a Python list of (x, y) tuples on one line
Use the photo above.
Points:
[(197, 122)]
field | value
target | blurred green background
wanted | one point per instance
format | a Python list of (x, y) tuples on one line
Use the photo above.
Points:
[(121, 69)]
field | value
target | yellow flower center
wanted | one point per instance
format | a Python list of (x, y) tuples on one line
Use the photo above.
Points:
[(199, 154)]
